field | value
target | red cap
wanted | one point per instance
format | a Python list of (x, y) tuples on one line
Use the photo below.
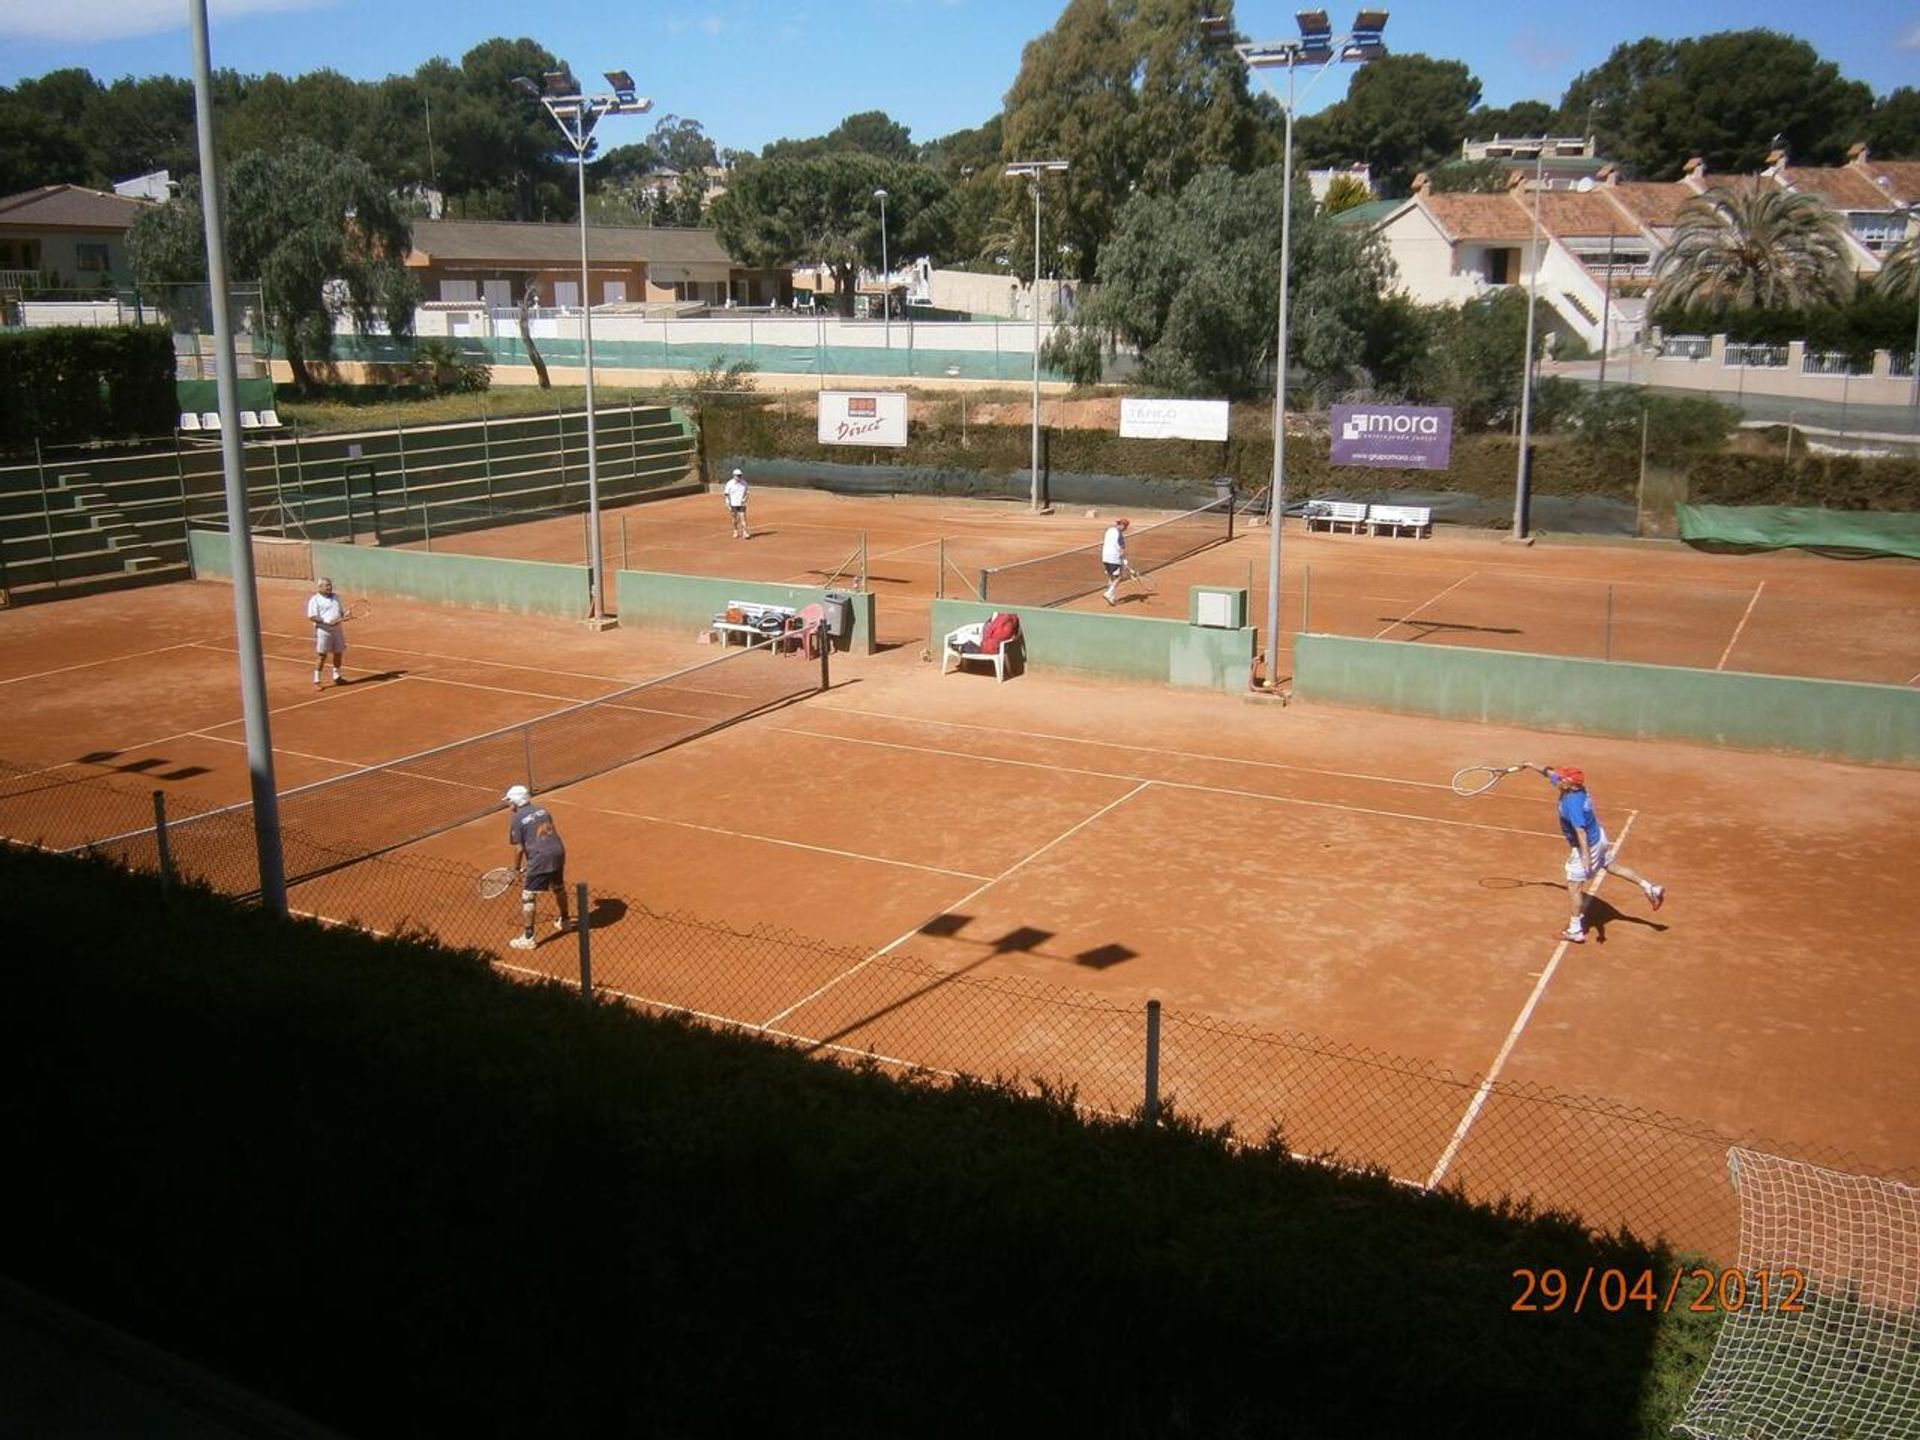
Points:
[(1569, 775)]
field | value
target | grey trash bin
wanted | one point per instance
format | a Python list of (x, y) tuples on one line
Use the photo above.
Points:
[(1222, 487), (839, 608)]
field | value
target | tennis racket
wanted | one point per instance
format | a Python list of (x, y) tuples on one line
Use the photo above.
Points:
[(1139, 579), (497, 881), (1478, 779), (357, 610)]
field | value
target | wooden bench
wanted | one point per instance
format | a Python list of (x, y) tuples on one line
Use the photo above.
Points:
[(1335, 513), (1416, 520)]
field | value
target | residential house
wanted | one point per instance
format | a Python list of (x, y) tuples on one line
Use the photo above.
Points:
[(489, 262), (65, 236)]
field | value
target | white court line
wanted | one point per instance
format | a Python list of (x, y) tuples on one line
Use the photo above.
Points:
[(1404, 619), (900, 940), (1155, 780), (1741, 626), (769, 839), (110, 660), (1912, 678), (1452, 1151), (1142, 749)]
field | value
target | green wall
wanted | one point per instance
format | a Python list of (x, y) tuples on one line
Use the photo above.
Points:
[(1873, 724), (652, 597), (481, 582), (1123, 647)]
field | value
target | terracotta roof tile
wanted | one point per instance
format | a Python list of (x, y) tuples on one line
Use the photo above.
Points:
[(1651, 203), (1576, 212), (69, 207), (1898, 179), (515, 242), (1844, 188), (1480, 217)]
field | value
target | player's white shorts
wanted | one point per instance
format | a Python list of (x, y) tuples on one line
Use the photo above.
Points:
[(326, 642), (1602, 857)]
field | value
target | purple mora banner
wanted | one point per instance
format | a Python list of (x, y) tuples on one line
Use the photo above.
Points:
[(1398, 437)]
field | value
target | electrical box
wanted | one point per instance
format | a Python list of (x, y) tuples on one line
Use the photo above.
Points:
[(1218, 608)]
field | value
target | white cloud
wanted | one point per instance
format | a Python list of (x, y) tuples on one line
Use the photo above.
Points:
[(1535, 52), (124, 19), (1910, 40)]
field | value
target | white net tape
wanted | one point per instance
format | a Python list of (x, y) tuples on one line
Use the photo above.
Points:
[(1825, 1342)]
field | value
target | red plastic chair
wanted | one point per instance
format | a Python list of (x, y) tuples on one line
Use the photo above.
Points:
[(807, 634)]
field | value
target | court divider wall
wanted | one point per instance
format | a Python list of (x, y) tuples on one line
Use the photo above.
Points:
[(1836, 719), (480, 582), (1119, 647), (658, 598)]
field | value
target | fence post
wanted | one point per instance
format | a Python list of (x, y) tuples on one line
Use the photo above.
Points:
[(1609, 639), (400, 444), (863, 561), (160, 840), (1306, 595), (940, 574), (585, 929), (526, 746), (46, 511), (826, 647), (1150, 1108)]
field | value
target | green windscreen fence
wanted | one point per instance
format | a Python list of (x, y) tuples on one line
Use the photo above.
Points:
[(1780, 527)]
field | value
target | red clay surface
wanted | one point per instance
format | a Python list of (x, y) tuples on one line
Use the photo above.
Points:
[(1655, 602), (1294, 869)]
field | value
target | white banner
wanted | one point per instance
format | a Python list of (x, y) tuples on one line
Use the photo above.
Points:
[(863, 417), (1173, 419)]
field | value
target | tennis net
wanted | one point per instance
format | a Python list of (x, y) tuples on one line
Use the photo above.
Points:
[(350, 817), (1068, 574)]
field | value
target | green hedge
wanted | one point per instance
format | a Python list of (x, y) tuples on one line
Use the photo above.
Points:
[(73, 383), (381, 1184), (1828, 482)]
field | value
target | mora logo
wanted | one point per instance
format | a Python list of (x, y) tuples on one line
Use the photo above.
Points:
[(1359, 426)]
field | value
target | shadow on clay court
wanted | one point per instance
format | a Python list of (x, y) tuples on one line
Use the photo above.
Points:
[(1429, 628), (604, 911), (150, 766), (1599, 912)]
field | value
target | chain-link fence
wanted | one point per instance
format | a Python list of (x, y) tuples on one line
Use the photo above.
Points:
[(1347, 1105)]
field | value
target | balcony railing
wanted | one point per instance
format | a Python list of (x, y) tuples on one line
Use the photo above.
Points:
[(1758, 357), (1686, 347), (1832, 362)]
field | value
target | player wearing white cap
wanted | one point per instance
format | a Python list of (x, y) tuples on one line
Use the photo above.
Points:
[(541, 859)]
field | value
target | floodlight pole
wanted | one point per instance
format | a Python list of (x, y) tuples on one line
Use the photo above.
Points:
[(1522, 485), (1033, 170), (577, 114), (246, 602), (886, 284), (1317, 46)]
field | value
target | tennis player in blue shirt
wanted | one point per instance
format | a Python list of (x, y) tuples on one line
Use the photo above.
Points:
[(1589, 850), (541, 858)]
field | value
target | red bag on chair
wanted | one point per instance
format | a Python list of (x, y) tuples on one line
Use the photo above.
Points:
[(998, 630)]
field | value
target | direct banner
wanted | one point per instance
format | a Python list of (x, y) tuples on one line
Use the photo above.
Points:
[(863, 417), (1142, 419), (1393, 437)]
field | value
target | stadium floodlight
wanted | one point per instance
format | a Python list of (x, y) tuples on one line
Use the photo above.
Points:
[(576, 114), (886, 275), (1318, 48), (1032, 170)]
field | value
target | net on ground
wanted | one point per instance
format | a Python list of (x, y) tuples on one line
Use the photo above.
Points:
[(1068, 574), (336, 822)]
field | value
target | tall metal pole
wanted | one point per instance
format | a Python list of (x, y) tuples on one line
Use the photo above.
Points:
[(1522, 479), (1277, 493), (246, 604), (1916, 328), (596, 572), (1606, 316), (1036, 342), (886, 275)]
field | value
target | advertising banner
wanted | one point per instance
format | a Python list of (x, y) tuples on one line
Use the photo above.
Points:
[(1394, 437), (863, 417), (1173, 419)]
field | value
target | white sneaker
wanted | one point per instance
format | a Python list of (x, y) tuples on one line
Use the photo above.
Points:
[(559, 927), (523, 942), (1656, 895), (1573, 935)]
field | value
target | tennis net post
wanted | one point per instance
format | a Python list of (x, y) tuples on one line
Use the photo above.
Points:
[(1150, 1103), (584, 927), (164, 856)]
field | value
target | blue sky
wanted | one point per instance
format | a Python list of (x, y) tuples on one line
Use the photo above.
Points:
[(752, 71)]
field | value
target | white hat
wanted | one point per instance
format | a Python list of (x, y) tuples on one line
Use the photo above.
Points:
[(736, 473), (518, 795)]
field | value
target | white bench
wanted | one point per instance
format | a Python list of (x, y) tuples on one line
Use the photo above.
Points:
[(1416, 520), (1335, 513), (951, 654)]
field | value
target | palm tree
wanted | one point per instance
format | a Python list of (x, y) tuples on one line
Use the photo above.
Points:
[(1756, 247), (1900, 271)]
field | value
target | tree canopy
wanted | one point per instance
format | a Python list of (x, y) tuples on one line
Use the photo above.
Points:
[(1403, 114), (1745, 245), (318, 229)]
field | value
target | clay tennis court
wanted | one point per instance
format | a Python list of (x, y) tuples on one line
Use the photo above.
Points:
[(1660, 603), (1299, 869)]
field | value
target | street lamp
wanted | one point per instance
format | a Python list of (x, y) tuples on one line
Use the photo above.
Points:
[(1522, 483), (1317, 46), (886, 284), (576, 114), (1033, 170)]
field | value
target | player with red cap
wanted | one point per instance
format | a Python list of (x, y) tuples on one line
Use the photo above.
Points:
[(1589, 850)]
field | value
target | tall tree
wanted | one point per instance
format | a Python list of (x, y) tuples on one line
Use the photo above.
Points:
[(872, 132), (682, 145), (1723, 98), (500, 151), (1136, 100), (1403, 114), (1522, 118), (1893, 130), (1190, 281), (782, 212), (1758, 246), (318, 229)]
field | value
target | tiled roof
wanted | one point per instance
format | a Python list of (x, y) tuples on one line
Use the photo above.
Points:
[(1651, 203), (1578, 212), (1844, 187), (507, 242), (1480, 217), (69, 207), (1897, 179)]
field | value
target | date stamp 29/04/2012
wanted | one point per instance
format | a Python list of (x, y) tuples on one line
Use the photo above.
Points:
[(1701, 1290)]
